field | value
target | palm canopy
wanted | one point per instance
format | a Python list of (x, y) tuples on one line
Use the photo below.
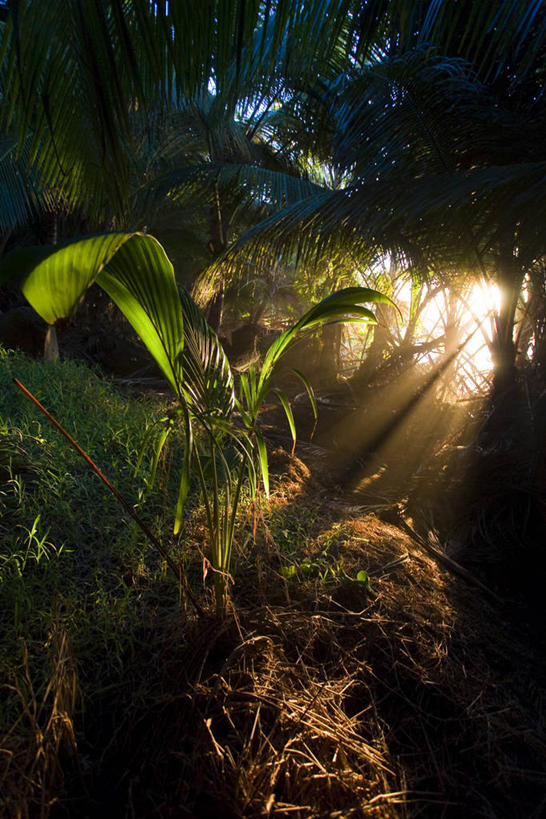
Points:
[(493, 37), (434, 112), (443, 159), (435, 130), (206, 146), (76, 72)]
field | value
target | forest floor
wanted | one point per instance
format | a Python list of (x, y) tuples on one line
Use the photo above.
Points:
[(321, 696), (356, 674)]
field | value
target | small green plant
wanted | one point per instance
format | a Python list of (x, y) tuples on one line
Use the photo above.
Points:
[(31, 549), (134, 270), (324, 568)]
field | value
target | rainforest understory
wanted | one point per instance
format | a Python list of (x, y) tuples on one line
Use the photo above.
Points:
[(415, 692), (272, 409)]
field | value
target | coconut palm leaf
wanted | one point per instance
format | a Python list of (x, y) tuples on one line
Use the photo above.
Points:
[(208, 381), (492, 36), (55, 278), (140, 280), (194, 185), (132, 268), (21, 194), (76, 71), (344, 305), (417, 137)]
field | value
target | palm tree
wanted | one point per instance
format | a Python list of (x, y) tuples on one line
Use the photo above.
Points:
[(76, 72), (441, 150), (423, 92), (431, 113), (216, 156), (128, 147)]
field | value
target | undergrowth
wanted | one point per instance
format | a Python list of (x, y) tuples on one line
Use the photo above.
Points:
[(353, 677), (75, 571)]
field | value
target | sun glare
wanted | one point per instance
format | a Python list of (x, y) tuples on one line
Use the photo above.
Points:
[(468, 318), (455, 318), (482, 303)]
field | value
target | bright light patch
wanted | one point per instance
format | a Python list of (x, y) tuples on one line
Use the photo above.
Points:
[(463, 318), (482, 303), (472, 312), (460, 317)]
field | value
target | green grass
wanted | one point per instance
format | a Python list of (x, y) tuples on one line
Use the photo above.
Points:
[(74, 506), (68, 551)]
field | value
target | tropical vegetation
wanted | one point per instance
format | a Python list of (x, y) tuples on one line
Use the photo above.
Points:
[(202, 201)]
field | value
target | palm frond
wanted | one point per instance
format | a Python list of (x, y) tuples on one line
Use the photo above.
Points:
[(208, 380), (22, 195), (491, 36), (75, 71), (132, 268)]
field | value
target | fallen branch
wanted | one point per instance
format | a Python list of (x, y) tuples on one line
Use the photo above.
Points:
[(446, 561)]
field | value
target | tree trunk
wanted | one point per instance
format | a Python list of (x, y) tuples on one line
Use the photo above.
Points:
[(217, 245), (330, 352), (510, 280), (508, 417), (51, 344), (375, 355)]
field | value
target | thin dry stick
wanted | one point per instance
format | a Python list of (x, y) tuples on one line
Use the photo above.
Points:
[(447, 561), (177, 570)]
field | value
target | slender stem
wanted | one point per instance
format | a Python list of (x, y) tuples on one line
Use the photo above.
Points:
[(215, 504), (235, 503), (225, 517), (216, 540), (204, 490), (212, 523)]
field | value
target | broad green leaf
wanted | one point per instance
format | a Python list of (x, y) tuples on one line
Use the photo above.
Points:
[(19, 263), (140, 280), (133, 269), (55, 278)]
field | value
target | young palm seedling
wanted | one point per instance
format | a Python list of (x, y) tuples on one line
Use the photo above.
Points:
[(134, 270)]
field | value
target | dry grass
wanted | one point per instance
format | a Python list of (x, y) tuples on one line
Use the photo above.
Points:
[(315, 699), (421, 701), (31, 756)]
